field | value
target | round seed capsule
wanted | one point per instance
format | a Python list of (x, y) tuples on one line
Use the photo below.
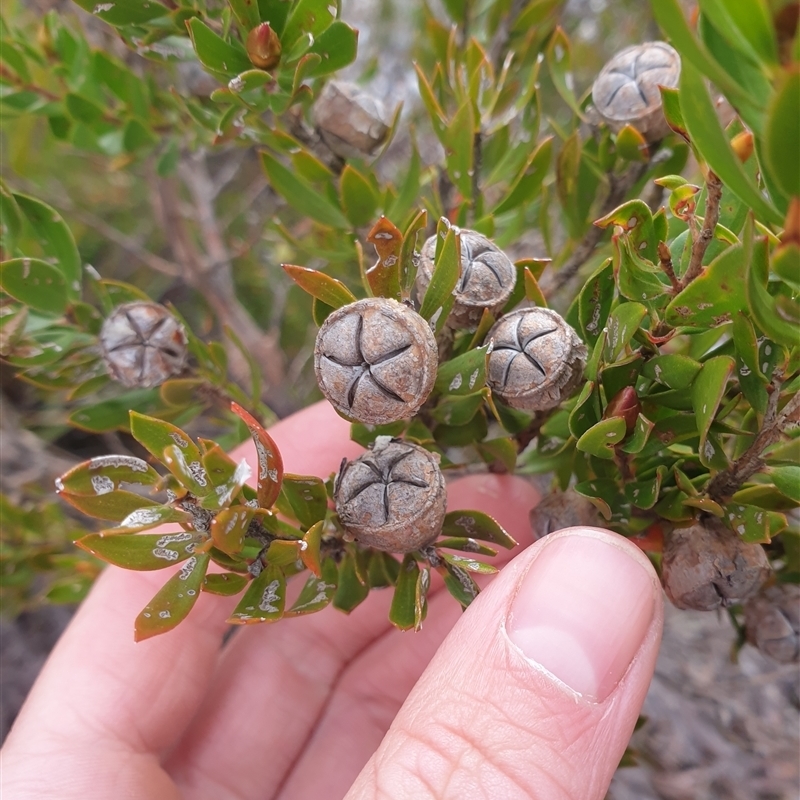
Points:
[(626, 90), (707, 566), (393, 497), (537, 359), (143, 344), (772, 621), (376, 360), (350, 121), (487, 278), (559, 510)]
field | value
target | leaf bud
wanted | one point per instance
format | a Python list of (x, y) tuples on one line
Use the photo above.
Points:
[(393, 497), (708, 566), (350, 121), (487, 278), (263, 46), (376, 360), (772, 622), (626, 90), (743, 145), (624, 404), (536, 361), (143, 344)]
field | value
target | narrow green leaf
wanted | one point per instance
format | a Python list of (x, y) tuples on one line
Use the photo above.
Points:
[(359, 201), (469, 564), (318, 591), (229, 527), (746, 26), (142, 551), (307, 16), (476, 525), (674, 370), (307, 496), (782, 133), (594, 301), (336, 46), (439, 297), (459, 148), (602, 437), (225, 584), (246, 11), (623, 323), (559, 62), (408, 251), (750, 522), (103, 474), (403, 612), (174, 601), (35, 283), (464, 374), (459, 583), (114, 506), (318, 284), (708, 390), (787, 479), (264, 600), (351, 590), (127, 12), (214, 52)]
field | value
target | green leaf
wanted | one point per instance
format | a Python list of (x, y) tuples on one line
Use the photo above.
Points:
[(264, 600), (156, 435), (307, 16), (719, 290), (594, 302), (359, 201), (586, 412), (645, 494), (215, 53), (476, 525), (142, 551), (435, 113), (499, 450), (708, 390), (746, 26), (559, 62), (125, 12), (750, 522), (463, 374), (247, 12), (631, 145), (112, 414), (301, 195), (457, 409), (270, 463), (638, 439), (459, 583), (318, 592), (329, 290), (620, 375), (466, 545), (622, 325), (439, 297), (674, 370), (225, 584), (408, 270), (709, 138), (636, 219), (10, 219), (336, 46), (637, 279), (229, 527), (459, 148), (114, 506), (601, 438), (102, 474), (671, 105), (782, 133), (310, 554), (469, 564), (174, 601), (787, 479), (307, 496), (35, 283), (56, 240), (351, 590), (191, 474), (404, 613)]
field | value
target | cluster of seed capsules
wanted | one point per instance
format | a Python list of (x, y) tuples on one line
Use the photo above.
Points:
[(376, 362)]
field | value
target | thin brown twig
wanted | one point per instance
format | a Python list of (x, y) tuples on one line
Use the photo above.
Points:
[(726, 483), (665, 259), (703, 239)]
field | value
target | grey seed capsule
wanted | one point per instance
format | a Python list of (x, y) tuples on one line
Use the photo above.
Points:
[(350, 121), (626, 90), (376, 360), (393, 497), (562, 510), (708, 566), (772, 621), (487, 278), (537, 359), (143, 344)]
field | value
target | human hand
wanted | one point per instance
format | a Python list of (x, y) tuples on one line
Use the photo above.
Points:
[(533, 693)]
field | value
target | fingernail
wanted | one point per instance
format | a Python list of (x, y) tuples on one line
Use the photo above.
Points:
[(582, 612)]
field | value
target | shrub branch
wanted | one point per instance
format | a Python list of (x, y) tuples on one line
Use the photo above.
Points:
[(703, 239)]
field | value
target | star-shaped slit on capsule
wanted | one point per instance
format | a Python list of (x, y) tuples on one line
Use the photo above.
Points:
[(363, 368), (471, 256), (144, 339), (382, 474), (634, 75), (521, 349)]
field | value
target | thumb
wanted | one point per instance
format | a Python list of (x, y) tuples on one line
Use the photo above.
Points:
[(536, 690)]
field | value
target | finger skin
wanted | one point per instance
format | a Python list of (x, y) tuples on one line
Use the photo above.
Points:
[(482, 722)]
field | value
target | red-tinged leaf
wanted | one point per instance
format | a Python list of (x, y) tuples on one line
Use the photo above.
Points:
[(226, 477), (318, 591), (225, 584), (532, 290), (466, 545), (476, 525), (114, 506), (144, 551), (228, 528), (270, 463), (143, 519), (307, 497), (318, 284), (103, 474), (384, 276), (156, 436), (283, 553), (174, 601), (191, 474), (264, 600), (469, 564), (310, 554)]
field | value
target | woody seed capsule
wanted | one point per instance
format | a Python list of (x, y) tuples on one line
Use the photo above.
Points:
[(375, 360), (626, 90), (143, 344), (562, 510), (772, 620), (537, 359), (487, 278), (350, 121), (392, 498), (707, 566)]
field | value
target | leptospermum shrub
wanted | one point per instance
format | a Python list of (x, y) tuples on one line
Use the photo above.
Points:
[(644, 353)]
